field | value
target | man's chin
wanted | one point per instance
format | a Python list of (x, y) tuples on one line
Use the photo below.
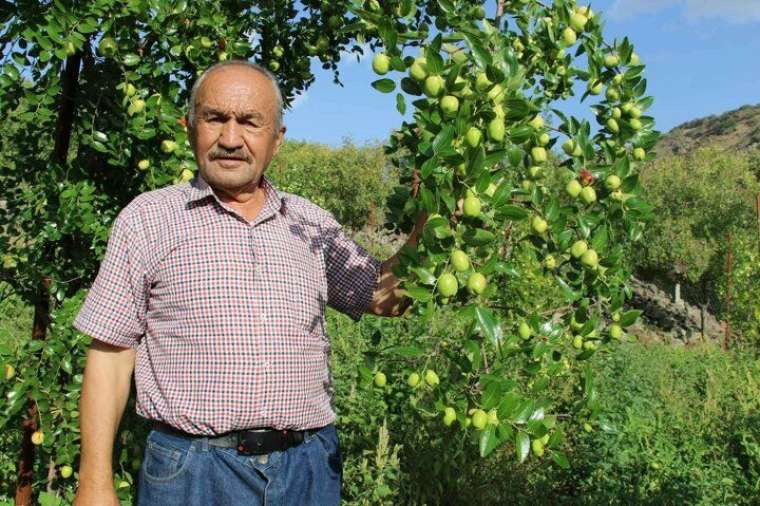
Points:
[(227, 179)]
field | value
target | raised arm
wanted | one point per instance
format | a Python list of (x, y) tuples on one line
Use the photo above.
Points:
[(388, 299)]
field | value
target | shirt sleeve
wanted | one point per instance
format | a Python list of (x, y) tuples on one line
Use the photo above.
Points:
[(115, 307), (352, 273)]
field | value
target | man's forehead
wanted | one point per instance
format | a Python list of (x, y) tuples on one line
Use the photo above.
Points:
[(236, 86)]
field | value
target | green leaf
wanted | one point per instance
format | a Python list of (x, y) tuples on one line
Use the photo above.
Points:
[(418, 293), (488, 324), (131, 59), (477, 237), (522, 446), (488, 440), (384, 85), (629, 317), (561, 460), (512, 212), (400, 104)]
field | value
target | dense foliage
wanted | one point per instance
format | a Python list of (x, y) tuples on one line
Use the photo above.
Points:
[(539, 247), (701, 198)]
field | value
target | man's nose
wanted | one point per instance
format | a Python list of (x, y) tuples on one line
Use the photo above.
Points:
[(231, 136)]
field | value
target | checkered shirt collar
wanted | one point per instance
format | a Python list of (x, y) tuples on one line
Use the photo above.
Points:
[(200, 189)]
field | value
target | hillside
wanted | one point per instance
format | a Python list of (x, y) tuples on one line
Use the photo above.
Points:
[(732, 130)]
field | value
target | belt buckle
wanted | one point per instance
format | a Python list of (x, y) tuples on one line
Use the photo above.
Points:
[(248, 445)]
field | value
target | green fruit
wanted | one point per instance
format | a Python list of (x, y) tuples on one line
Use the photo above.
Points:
[(143, 164), (473, 137), (539, 225), (612, 125), (447, 284), (10, 371), (38, 437), (588, 195), (578, 21), (573, 188), (569, 147), (639, 153), (617, 113), (544, 139), (537, 122), (482, 83), (479, 419), (418, 70), (587, 427), (537, 446), (107, 47), (476, 283), (381, 63), (186, 175), (136, 107), (569, 36), (595, 88), (538, 154), (612, 182), (168, 146), (616, 331), (449, 105), (611, 60), (496, 130), (612, 94), (431, 378), (578, 342), (380, 379), (535, 171), (222, 55), (274, 65), (589, 345), (524, 330), (550, 262), (635, 124), (578, 248), (433, 86), (634, 59), (130, 90), (207, 43), (590, 259), (471, 207), (413, 380), (495, 93), (66, 471), (373, 5), (449, 416), (460, 261), (635, 112), (617, 79)]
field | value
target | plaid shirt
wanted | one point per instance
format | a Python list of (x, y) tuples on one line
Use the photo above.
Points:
[(227, 315)]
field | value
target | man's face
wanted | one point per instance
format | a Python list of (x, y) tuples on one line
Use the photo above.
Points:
[(234, 136)]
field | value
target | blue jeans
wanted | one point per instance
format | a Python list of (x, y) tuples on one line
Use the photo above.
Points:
[(181, 471)]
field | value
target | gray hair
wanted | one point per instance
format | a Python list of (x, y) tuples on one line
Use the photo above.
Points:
[(241, 63)]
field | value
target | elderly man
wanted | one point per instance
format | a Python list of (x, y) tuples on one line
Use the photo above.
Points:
[(214, 292)]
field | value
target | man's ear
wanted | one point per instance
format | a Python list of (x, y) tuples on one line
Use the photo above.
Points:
[(278, 139), (190, 136)]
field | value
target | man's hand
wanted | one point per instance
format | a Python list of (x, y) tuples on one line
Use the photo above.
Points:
[(105, 390), (388, 299)]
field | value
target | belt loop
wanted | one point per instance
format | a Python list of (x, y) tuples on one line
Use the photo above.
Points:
[(203, 443)]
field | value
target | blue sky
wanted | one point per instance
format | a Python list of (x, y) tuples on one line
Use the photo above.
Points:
[(702, 58)]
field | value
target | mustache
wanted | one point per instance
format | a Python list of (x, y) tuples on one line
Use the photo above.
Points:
[(238, 154)]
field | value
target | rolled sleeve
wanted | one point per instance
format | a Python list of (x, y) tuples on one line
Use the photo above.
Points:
[(352, 273), (115, 308)]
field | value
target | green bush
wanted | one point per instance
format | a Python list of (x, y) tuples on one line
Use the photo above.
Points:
[(351, 181)]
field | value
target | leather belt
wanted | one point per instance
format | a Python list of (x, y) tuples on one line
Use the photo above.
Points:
[(250, 441)]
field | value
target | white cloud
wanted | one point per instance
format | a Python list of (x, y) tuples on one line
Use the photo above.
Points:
[(734, 11)]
